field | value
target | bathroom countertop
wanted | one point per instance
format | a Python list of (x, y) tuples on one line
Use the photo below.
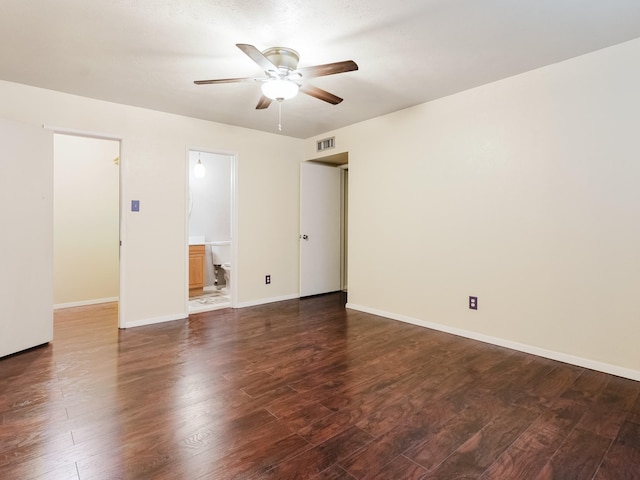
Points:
[(196, 240)]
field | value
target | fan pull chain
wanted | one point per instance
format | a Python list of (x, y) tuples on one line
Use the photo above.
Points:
[(279, 115)]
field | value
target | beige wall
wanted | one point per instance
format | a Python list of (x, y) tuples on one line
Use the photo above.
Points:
[(525, 193), (85, 220), (522, 192), (154, 156)]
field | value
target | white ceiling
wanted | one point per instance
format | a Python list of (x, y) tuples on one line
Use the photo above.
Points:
[(148, 52)]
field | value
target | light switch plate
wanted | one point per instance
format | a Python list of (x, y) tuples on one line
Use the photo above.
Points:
[(135, 205)]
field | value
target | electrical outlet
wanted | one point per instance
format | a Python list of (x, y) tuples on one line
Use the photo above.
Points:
[(473, 303), (267, 279)]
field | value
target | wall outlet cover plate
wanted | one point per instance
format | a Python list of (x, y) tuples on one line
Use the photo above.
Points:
[(473, 303)]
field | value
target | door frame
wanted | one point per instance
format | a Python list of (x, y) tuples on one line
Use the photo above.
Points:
[(234, 221), (122, 262), (344, 226), (342, 168)]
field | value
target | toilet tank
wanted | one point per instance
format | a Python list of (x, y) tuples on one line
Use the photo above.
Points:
[(221, 252)]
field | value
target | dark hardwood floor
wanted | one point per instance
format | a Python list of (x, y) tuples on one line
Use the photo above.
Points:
[(304, 390)]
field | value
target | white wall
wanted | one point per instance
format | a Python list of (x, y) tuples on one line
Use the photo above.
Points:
[(153, 158), (26, 243), (85, 220), (525, 193)]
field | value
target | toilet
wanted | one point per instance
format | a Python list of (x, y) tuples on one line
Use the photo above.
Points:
[(221, 256)]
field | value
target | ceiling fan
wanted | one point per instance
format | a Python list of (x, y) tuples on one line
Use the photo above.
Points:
[(283, 78)]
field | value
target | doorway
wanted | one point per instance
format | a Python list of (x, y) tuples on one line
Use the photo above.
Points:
[(323, 226), (211, 220), (86, 220)]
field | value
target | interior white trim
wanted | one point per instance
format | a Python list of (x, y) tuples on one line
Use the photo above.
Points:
[(82, 133), (521, 347), (122, 208), (234, 222), (84, 303)]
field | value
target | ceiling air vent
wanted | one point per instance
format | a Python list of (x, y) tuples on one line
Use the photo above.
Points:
[(326, 144)]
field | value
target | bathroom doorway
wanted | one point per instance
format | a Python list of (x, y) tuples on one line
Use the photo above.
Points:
[(211, 249), (86, 220)]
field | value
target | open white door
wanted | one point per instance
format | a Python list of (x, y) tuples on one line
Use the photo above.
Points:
[(319, 229), (26, 243)]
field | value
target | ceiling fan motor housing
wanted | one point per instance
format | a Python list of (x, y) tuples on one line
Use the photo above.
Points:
[(286, 59)]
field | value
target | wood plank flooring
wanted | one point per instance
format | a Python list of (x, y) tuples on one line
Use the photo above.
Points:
[(304, 389)]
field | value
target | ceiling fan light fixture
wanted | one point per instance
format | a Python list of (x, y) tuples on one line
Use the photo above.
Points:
[(280, 89)]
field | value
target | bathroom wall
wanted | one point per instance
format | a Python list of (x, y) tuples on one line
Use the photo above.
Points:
[(210, 197), (85, 219)]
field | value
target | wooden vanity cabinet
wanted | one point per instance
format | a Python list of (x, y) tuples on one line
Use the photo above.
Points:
[(196, 270)]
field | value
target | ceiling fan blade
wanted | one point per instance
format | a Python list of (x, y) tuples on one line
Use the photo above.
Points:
[(328, 69), (263, 103), (320, 94), (226, 80), (256, 55)]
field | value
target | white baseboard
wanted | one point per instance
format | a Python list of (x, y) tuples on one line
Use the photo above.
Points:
[(521, 347), (84, 303), (263, 301), (150, 321)]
